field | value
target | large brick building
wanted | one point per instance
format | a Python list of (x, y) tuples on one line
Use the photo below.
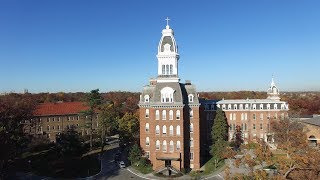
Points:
[(169, 113), (175, 125), (52, 118)]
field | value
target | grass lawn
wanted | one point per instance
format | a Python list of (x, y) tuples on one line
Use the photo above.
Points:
[(209, 168), (48, 163)]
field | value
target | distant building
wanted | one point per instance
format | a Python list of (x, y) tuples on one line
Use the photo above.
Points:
[(52, 118), (312, 129), (252, 115)]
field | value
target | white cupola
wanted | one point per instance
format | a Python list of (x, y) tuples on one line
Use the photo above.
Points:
[(167, 56), (273, 91)]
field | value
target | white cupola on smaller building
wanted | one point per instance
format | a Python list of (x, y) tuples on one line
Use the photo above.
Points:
[(273, 91)]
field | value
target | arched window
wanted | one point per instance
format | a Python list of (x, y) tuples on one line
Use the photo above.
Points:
[(171, 146), (147, 127), (170, 115), (157, 115), (229, 106), (48, 128), (163, 69), (147, 113), (167, 95), (191, 142), (171, 130), (190, 97), (178, 114), (178, 146), (268, 106), (254, 106), (164, 146), (178, 130), (261, 106), (146, 98), (167, 69), (164, 129), (223, 106), (157, 129), (275, 106), (247, 106), (157, 145), (241, 106), (235, 107), (164, 115), (191, 113), (147, 141), (171, 69), (191, 127)]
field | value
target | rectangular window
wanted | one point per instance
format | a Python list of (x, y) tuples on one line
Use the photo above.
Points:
[(48, 119), (191, 156), (254, 126), (148, 154), (261, 126), (53, 119), (254, 116)]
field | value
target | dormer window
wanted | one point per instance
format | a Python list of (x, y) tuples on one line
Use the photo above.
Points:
[(261, 106), (247, 106), (167, 95), (147, 98), (254, 106), (275, 106), (235, 107), (229, 106), (190, 97), (268, 106)]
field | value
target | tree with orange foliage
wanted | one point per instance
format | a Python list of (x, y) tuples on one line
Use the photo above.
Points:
[(300, 160)]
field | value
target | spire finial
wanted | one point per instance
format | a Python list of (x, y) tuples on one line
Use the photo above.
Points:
[(272, 81), (167, 19)]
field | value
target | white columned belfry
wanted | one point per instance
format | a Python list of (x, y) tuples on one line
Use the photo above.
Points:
[(167, 56), (273, 91)]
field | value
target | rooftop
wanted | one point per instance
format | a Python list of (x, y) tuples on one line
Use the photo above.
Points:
[(59, 108)]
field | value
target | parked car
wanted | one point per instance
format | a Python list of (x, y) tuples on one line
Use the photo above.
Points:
[(121, 164)]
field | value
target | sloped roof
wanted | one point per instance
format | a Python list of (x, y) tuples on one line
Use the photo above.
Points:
[(60, 108), (313, 121)]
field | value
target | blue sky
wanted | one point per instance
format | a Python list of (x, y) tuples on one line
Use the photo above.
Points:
[(51, 46)]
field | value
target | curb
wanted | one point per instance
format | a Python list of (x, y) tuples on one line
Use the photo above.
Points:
[(138, 174)]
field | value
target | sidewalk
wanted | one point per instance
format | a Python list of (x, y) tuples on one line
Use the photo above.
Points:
[(215, 175)]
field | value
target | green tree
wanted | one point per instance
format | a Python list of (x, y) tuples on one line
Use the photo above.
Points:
[(108, 123), (93, 100), (219, 134), (69, 143), (135, 154), (128, 129)]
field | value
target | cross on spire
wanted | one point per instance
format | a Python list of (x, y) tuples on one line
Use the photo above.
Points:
[(167, 19)]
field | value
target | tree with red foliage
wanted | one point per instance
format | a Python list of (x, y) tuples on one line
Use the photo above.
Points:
[(14, 108)]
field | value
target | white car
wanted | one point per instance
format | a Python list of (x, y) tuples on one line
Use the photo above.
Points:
[(121, 164)]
